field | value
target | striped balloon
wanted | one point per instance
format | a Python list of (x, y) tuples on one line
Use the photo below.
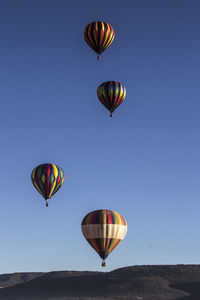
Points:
[(111, 94), (99, 35), (104, 230), (47, 179)]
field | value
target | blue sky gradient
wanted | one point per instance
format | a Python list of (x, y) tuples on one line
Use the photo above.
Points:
[(143, 163)]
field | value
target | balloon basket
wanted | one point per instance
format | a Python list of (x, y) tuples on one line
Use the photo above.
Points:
[(111, 115), (47, 204), (99, 57), (103, 264)]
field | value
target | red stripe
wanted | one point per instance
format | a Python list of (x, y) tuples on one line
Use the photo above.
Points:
[(120, 99), (36, 179), (116, 96), (109, 217), (58, 180), (95, 244), (96, 33), (111, 97), (101, 35), (93, 218), (107, 244)]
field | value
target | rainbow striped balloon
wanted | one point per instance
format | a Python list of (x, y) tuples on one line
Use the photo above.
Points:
[(47, 179), (104, 229), (111, 94), (99, 35)]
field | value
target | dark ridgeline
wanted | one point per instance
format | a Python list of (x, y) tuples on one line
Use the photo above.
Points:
[(131, 283)]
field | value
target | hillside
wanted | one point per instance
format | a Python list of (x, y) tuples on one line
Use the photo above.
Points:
[(131, 283), (7, 280)]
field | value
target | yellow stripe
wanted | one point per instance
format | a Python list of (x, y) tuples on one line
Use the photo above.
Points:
[(124, 93), (103, 27), (37, 187), (53, 186), (121, 92), (101, 33), (111, 38), (43, 178), (118, 219), (110, 42), (33, 174), (55, 169), (104, 45)]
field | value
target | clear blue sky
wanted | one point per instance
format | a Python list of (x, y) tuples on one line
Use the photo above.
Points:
[(143, 163)]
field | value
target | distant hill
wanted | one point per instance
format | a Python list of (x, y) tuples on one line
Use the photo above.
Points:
[(7, 280), (131, 283)]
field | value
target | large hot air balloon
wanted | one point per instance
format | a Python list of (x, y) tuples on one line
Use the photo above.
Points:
[(47, 179), (111, 94), (99, 35), (104, 230)]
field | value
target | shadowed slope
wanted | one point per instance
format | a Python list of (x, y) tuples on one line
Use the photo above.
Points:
[(147, 282), (192, 288), (7, 280)]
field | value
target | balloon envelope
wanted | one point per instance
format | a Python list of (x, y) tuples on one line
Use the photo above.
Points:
[(99, 35), (111, 94), (104, 230), (47, 179)]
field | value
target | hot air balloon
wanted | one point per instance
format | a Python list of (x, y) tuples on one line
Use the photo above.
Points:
[(47, 179), (111, 94), (104, 230), (99, 35)]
